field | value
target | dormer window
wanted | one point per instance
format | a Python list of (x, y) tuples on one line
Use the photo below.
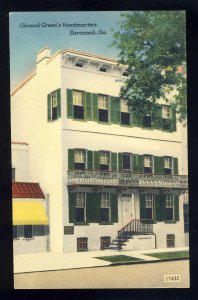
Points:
[(79, 64), (103, 68)]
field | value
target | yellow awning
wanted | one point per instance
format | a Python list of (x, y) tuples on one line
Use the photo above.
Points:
[(28, 213)]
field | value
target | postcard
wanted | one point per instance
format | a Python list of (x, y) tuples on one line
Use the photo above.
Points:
[(99, 149)]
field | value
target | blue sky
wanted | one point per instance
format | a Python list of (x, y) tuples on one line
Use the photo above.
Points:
[(26, 42)]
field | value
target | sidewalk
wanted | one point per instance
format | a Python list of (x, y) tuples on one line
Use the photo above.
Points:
[(63, 261)]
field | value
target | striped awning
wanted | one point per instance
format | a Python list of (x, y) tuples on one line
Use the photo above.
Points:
[(29, 213)]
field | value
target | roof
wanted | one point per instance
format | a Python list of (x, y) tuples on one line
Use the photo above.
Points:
[(26, 190), (90, 55)]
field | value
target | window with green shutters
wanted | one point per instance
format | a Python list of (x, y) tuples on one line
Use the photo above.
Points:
[(70, 111), (96, 160), (137, 119), (93, 207), (88, 106), (54, 105), (158, 165), (160, 208), (176, 208), (138, 163), (89, 160), (173, 119), (71, 159), (147, 208), (72, 207), (113, 161), (157, 117), (175, 165), (114, 208), (95, 112)]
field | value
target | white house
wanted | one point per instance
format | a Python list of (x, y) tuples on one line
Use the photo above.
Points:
[(108, 174)]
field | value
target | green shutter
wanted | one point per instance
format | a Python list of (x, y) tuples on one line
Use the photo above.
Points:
[(114, 109), (72, 207), (142, 206), (158, 165), (93, 207), (95, 106), (157, 117), (138, 163), (113, 161), (175, 165), (160, 208), (49, 118), (70, 111), (87, 106), (96, 160), (58, 103), (173, 119), (114, 208), (176, 207), (89, 160), (70, 159), (120, 160), (137, 119)]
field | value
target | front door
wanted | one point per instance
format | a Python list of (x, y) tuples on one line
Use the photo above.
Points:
[(126, 209)]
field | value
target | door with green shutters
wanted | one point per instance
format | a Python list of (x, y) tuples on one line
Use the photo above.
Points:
[(70, 110), (158, 165), (114, 110), (114, 208)]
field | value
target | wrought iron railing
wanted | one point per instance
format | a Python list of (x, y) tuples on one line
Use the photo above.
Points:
[(135, 226), (127, 179)]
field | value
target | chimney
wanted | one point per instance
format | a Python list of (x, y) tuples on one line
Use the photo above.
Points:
[(42, 57)]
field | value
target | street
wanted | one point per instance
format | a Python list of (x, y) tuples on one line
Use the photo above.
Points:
[(150, 275)]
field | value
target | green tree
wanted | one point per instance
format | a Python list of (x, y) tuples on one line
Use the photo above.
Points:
[(152, 45)]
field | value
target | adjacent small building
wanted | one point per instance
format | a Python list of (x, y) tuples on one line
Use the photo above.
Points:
[(111, 178)]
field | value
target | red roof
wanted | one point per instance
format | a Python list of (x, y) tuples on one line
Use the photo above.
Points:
[(26, 190)]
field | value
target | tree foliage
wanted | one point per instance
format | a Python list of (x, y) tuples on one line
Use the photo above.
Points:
[(152, 45)]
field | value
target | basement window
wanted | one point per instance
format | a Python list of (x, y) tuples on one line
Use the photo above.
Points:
[(82, 244), (105, 242), (170, 240)]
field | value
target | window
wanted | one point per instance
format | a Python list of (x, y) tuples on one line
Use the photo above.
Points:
[(186, 217), (127, 162), (170, 240), (147, 121), (168, 164), (166, 115), (15, 232), (13, 173), (79, 159), (125, 73), (105, 208), (105, 242), (103, 68), (148, 163), (79, 64), (54, 104), (103, 104), (104, 161), (28, 234), (169, 203), (149, 207), (82, 244), (78, 103), (125, 115), (80, 207)]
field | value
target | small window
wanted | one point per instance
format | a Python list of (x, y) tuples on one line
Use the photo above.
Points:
[(125, 73), (28, 234), (170, 240), (78, 104), (127, 162), (169, 202), (104, 160), (80, 207), (105, 242), (82, 244), (147, 121), (149, 206), (13, 173), (103, 68), (103, 106), (148, 163), (79, 64), (105, 208), (125, 115), (168, 165), (79, 159)]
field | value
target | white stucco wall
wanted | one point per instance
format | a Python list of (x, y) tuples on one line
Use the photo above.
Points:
[(20, 161)]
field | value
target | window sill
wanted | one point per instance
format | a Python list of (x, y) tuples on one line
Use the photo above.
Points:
[(81, 224), (106, 223), (52, 121), (170, 222), (104, 123)]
